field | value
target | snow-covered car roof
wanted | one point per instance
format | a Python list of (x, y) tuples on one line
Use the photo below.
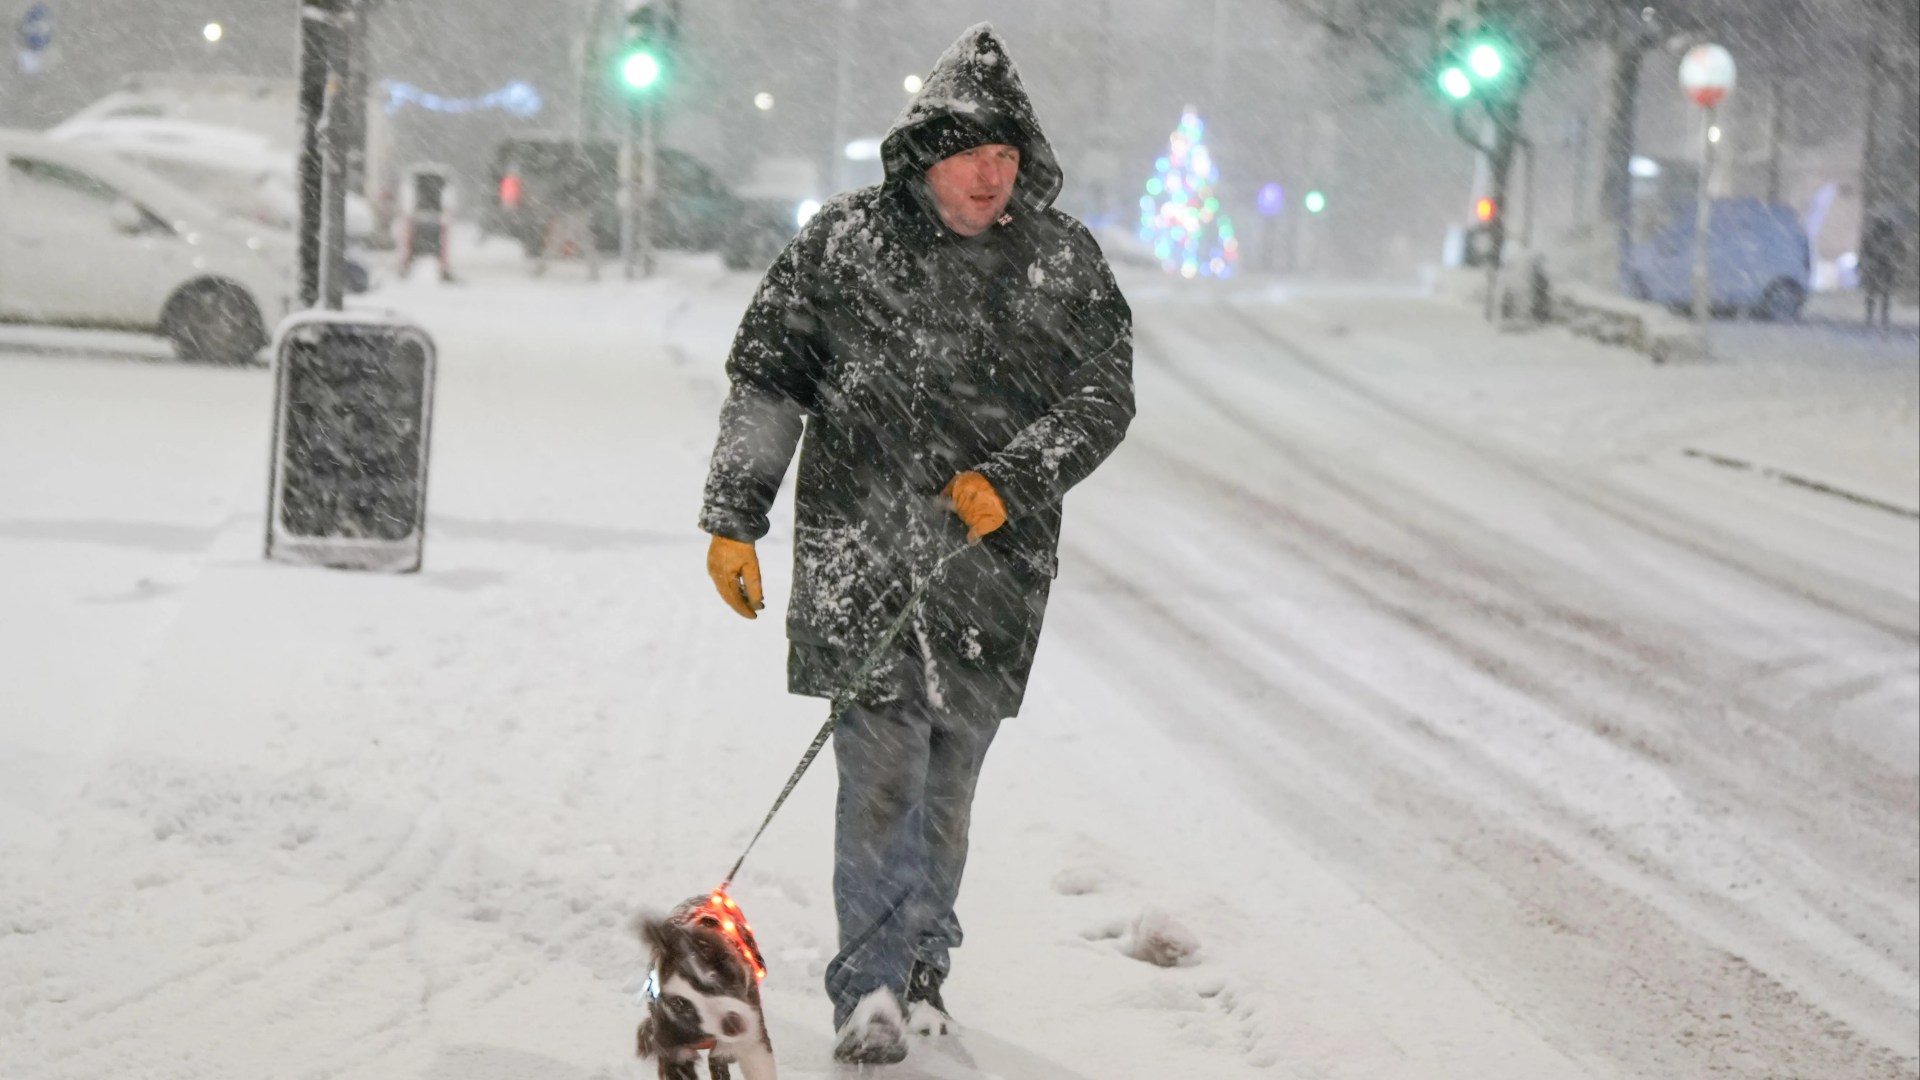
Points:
[(210, 145), (154, 192)]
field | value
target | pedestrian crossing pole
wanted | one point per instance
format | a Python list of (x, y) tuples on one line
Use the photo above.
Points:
[(1707, 75)]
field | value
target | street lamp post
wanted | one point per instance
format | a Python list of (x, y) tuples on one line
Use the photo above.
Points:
[(1707, 75)]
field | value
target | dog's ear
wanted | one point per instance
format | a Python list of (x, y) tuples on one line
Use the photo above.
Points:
[(644, 1040), (657, 934)]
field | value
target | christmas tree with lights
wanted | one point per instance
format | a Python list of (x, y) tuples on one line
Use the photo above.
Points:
[(1180, 215)]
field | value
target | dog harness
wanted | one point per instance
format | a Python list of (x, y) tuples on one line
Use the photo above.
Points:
[(721, 913)]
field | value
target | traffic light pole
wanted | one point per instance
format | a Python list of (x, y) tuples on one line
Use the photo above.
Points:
[(638, 169), (649, 181), (627, 231)]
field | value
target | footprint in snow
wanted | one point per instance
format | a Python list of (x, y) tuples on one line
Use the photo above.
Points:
[(1081, 881)]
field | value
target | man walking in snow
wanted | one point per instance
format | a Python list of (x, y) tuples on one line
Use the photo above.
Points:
[(957, 356)]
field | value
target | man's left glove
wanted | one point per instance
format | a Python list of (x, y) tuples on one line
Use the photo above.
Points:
[(974, 499)]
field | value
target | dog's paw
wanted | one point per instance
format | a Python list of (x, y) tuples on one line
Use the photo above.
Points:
[(924, 1019)]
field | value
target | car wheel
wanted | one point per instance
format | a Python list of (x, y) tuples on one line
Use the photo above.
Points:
[(1782, 302), (214, 323)]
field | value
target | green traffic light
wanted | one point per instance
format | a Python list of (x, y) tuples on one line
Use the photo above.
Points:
[(1455, 83), (640, 70), (1316, 202), (1486, 61)]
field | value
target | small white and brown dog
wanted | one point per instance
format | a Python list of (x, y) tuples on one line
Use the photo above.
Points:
[(704, 993)]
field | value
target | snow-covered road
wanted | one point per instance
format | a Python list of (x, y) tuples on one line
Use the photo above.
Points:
[(1471, 725)]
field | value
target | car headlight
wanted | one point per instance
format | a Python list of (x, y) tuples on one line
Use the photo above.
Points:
[(804, 213)]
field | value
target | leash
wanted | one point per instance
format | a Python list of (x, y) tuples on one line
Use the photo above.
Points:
[(840, 703)]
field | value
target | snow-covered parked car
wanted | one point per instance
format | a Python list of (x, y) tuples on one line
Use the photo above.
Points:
[(87, 239), (236, 170), (1757, 254)]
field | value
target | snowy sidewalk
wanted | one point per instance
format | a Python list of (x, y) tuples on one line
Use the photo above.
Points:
[(395, 826), (272, 821)]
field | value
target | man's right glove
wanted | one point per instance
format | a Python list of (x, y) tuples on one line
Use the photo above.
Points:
[(973, 498), (735, 571)]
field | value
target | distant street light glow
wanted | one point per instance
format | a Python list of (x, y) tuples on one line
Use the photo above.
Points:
[(1455, 83), (913, 84), (763, 101), (1272, 200), (1713, 133), (213, 32), (1485, 61), (640, 70)]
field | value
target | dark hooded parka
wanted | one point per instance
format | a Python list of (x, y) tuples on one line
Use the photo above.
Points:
[(907, 353)]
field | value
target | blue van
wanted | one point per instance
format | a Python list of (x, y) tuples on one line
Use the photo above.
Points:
[(1757, 256)]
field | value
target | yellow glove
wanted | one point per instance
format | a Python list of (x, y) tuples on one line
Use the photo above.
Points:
[(974, 499), (735, 571)]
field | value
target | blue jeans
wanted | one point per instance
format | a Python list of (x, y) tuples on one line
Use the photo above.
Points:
[(908, 769)]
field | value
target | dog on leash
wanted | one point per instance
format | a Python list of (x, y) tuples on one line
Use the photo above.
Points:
[(703, 993)]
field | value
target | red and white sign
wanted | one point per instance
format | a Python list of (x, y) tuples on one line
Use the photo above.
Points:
[(1707, 75)]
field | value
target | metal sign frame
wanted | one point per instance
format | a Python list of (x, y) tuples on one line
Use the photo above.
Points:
[(284, 541)]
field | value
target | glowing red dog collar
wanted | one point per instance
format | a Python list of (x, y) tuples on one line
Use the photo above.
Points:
[(720, 912)]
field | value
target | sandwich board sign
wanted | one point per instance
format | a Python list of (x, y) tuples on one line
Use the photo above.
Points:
[(353, 411)]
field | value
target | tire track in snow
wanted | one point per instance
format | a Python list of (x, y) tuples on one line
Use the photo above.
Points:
[(1673, 667), (348, 934), (1566, 882), (1446, 597), (1843, 598)]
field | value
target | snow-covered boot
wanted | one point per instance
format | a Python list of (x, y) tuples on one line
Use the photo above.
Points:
[(876, 1033), (926, 1012)]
